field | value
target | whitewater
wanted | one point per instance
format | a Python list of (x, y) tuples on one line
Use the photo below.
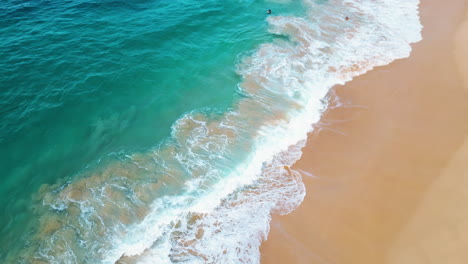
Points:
[(206, 195)]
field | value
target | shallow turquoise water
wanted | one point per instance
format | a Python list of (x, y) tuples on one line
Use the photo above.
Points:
[(163, 131), (85, 82)]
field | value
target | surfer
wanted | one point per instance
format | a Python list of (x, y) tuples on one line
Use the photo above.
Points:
[(269, 11)]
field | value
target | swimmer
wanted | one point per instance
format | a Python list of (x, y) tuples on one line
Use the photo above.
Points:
[(269, 11)]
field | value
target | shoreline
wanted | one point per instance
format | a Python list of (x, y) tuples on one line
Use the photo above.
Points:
[(386, 160)]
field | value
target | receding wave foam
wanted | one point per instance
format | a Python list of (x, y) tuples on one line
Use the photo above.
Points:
[(207, 195)]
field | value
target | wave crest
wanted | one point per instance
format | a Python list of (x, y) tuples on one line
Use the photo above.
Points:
[(207, 195)]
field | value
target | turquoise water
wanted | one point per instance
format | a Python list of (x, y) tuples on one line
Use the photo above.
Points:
[(164, 131), (84, 82)]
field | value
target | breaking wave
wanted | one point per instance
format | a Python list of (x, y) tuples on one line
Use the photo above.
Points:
[(207, 194)]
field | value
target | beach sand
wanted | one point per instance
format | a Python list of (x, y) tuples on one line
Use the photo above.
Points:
[(390, 165)]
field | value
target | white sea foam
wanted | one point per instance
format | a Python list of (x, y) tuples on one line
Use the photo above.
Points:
[(328, 51), (234, 230), (208, 196)]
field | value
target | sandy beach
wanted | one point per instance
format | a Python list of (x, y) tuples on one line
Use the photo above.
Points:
[(390, 161)]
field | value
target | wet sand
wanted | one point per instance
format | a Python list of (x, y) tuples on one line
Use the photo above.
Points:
[(391, 164)]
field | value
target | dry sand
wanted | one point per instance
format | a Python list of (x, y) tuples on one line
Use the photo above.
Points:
[(392, 165)]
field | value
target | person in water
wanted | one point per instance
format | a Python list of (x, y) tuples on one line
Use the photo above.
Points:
[(269, 11), (347, 18)]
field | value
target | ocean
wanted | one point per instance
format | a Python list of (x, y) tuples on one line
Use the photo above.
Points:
[(155, 131)]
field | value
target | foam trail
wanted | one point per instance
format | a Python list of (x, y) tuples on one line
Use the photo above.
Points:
[(305, 71), (308, 174), (207, 195)]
